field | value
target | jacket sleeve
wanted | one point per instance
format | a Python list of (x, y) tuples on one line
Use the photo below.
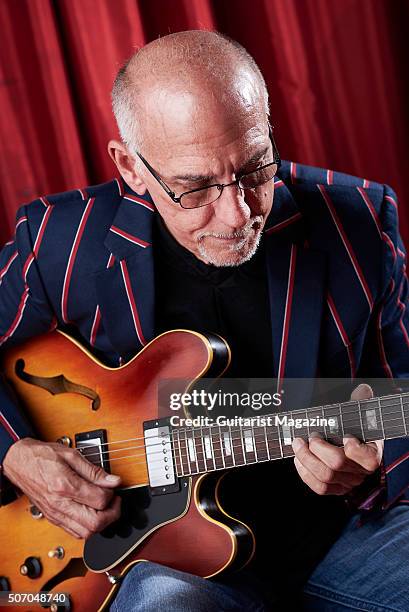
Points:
[(24, 312), (386, 351)]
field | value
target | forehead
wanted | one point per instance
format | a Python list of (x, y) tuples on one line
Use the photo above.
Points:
[(182, 130)]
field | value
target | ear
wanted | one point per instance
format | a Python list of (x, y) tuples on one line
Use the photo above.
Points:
[(125, 162)]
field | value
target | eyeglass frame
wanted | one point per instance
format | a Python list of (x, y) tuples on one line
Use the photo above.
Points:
[(177, 199)]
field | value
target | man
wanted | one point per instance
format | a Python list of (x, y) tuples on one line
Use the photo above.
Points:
[(302, 270)]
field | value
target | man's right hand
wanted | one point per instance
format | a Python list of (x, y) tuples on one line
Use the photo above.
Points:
[(70, 491)]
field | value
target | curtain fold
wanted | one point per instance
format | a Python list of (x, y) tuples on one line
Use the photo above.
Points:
[(336, 73)]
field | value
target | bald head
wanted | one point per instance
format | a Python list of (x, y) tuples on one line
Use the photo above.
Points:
[(181, 79)]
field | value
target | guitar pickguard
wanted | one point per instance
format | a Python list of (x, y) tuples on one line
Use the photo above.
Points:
[(143, 513)]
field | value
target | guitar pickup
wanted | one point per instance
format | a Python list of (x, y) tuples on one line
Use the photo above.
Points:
[(159, 457), (93, 446)]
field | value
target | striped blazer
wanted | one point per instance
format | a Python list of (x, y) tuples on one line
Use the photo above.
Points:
[(83, 261)]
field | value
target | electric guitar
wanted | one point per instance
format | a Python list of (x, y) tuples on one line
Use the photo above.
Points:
[(170, 476)]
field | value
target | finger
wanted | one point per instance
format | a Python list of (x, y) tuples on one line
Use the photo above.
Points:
[(334, 457), (70, 485), (322, 488), (113, 513), (92, 520), (67, 523), (89, 471), (362, 392), (367, 455), (312, 463)]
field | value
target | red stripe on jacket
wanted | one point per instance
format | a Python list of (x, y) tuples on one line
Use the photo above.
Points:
[(287, 315), (132, 303), (71, 259), (347, 246), (344, 336)]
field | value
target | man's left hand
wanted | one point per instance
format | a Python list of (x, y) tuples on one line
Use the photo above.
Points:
[(330, 470)]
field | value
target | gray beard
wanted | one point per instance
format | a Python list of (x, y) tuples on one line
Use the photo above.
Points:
[(227, 262)]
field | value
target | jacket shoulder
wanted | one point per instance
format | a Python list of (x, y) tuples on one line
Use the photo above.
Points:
[(293, 173), (109, 190)]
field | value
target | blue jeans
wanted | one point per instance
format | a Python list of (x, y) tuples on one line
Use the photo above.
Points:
[(366, 569)]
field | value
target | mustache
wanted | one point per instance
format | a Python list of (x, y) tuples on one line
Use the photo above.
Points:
[(241, 233)]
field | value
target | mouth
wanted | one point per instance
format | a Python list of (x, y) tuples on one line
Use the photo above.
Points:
[(240, 236)]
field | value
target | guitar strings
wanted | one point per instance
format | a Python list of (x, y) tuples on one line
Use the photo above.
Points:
[(345, 413), (180, 449), (214, 457), (213, 435), (218, 433)]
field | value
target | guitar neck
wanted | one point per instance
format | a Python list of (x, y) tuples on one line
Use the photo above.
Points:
[(242, 441)]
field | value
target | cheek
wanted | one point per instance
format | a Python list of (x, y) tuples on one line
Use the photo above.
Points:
[(260, 201), (185, 224)]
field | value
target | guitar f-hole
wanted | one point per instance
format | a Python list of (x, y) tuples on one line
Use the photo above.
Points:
[(56, 384)]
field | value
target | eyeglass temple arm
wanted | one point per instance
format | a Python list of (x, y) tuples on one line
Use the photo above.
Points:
[(158, 178), (276, 154)]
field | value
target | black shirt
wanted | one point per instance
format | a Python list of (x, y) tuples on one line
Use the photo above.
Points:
[(293, 526)]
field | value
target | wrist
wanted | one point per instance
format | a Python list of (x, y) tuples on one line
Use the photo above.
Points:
[(10, 458)]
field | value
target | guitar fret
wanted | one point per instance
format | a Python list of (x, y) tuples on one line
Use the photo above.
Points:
[(273, 442), (279, 440), (303, 431), (254, 443), (237, 446), (334, 429), (178, 455), (371, 420), (240, 432), (248, 440), (324, 426), (184, 452), (341, 420), (360, 420), (227, 446), (316, 413), (217, 448), (221, 447), (352, 424), (201, 461), (208, 448), (287, 439), (392, 417), (381, 417), (403, 416), (261, 443), (192, 451), (265, 437), (405, 404)]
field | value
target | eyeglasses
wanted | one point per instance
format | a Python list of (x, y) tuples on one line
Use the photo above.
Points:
[(203, 196)]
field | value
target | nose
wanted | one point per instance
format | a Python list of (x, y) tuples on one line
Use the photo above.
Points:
[(231, 208)]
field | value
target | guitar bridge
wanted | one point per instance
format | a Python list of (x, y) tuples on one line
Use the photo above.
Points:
[(159, 457)]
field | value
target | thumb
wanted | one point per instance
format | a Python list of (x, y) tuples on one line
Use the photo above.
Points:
[(362, 392), (92, 473)]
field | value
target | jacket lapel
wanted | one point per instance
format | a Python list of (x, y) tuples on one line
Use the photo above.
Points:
[(125, 288), (296, 280), (296, 273)]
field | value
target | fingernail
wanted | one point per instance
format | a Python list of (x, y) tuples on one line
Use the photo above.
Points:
[(297, 444), (112, 478)]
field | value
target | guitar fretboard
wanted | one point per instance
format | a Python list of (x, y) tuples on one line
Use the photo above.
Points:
[(199, 450)]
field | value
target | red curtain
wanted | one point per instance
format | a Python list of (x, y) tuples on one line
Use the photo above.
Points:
[(336, 71)]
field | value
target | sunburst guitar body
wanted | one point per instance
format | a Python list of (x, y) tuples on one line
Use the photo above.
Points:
[(111, 416)]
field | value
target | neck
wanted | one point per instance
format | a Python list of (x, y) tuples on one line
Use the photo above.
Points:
[(266, 438)]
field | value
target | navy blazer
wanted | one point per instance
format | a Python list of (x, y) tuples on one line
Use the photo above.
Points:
[(83, 260)]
